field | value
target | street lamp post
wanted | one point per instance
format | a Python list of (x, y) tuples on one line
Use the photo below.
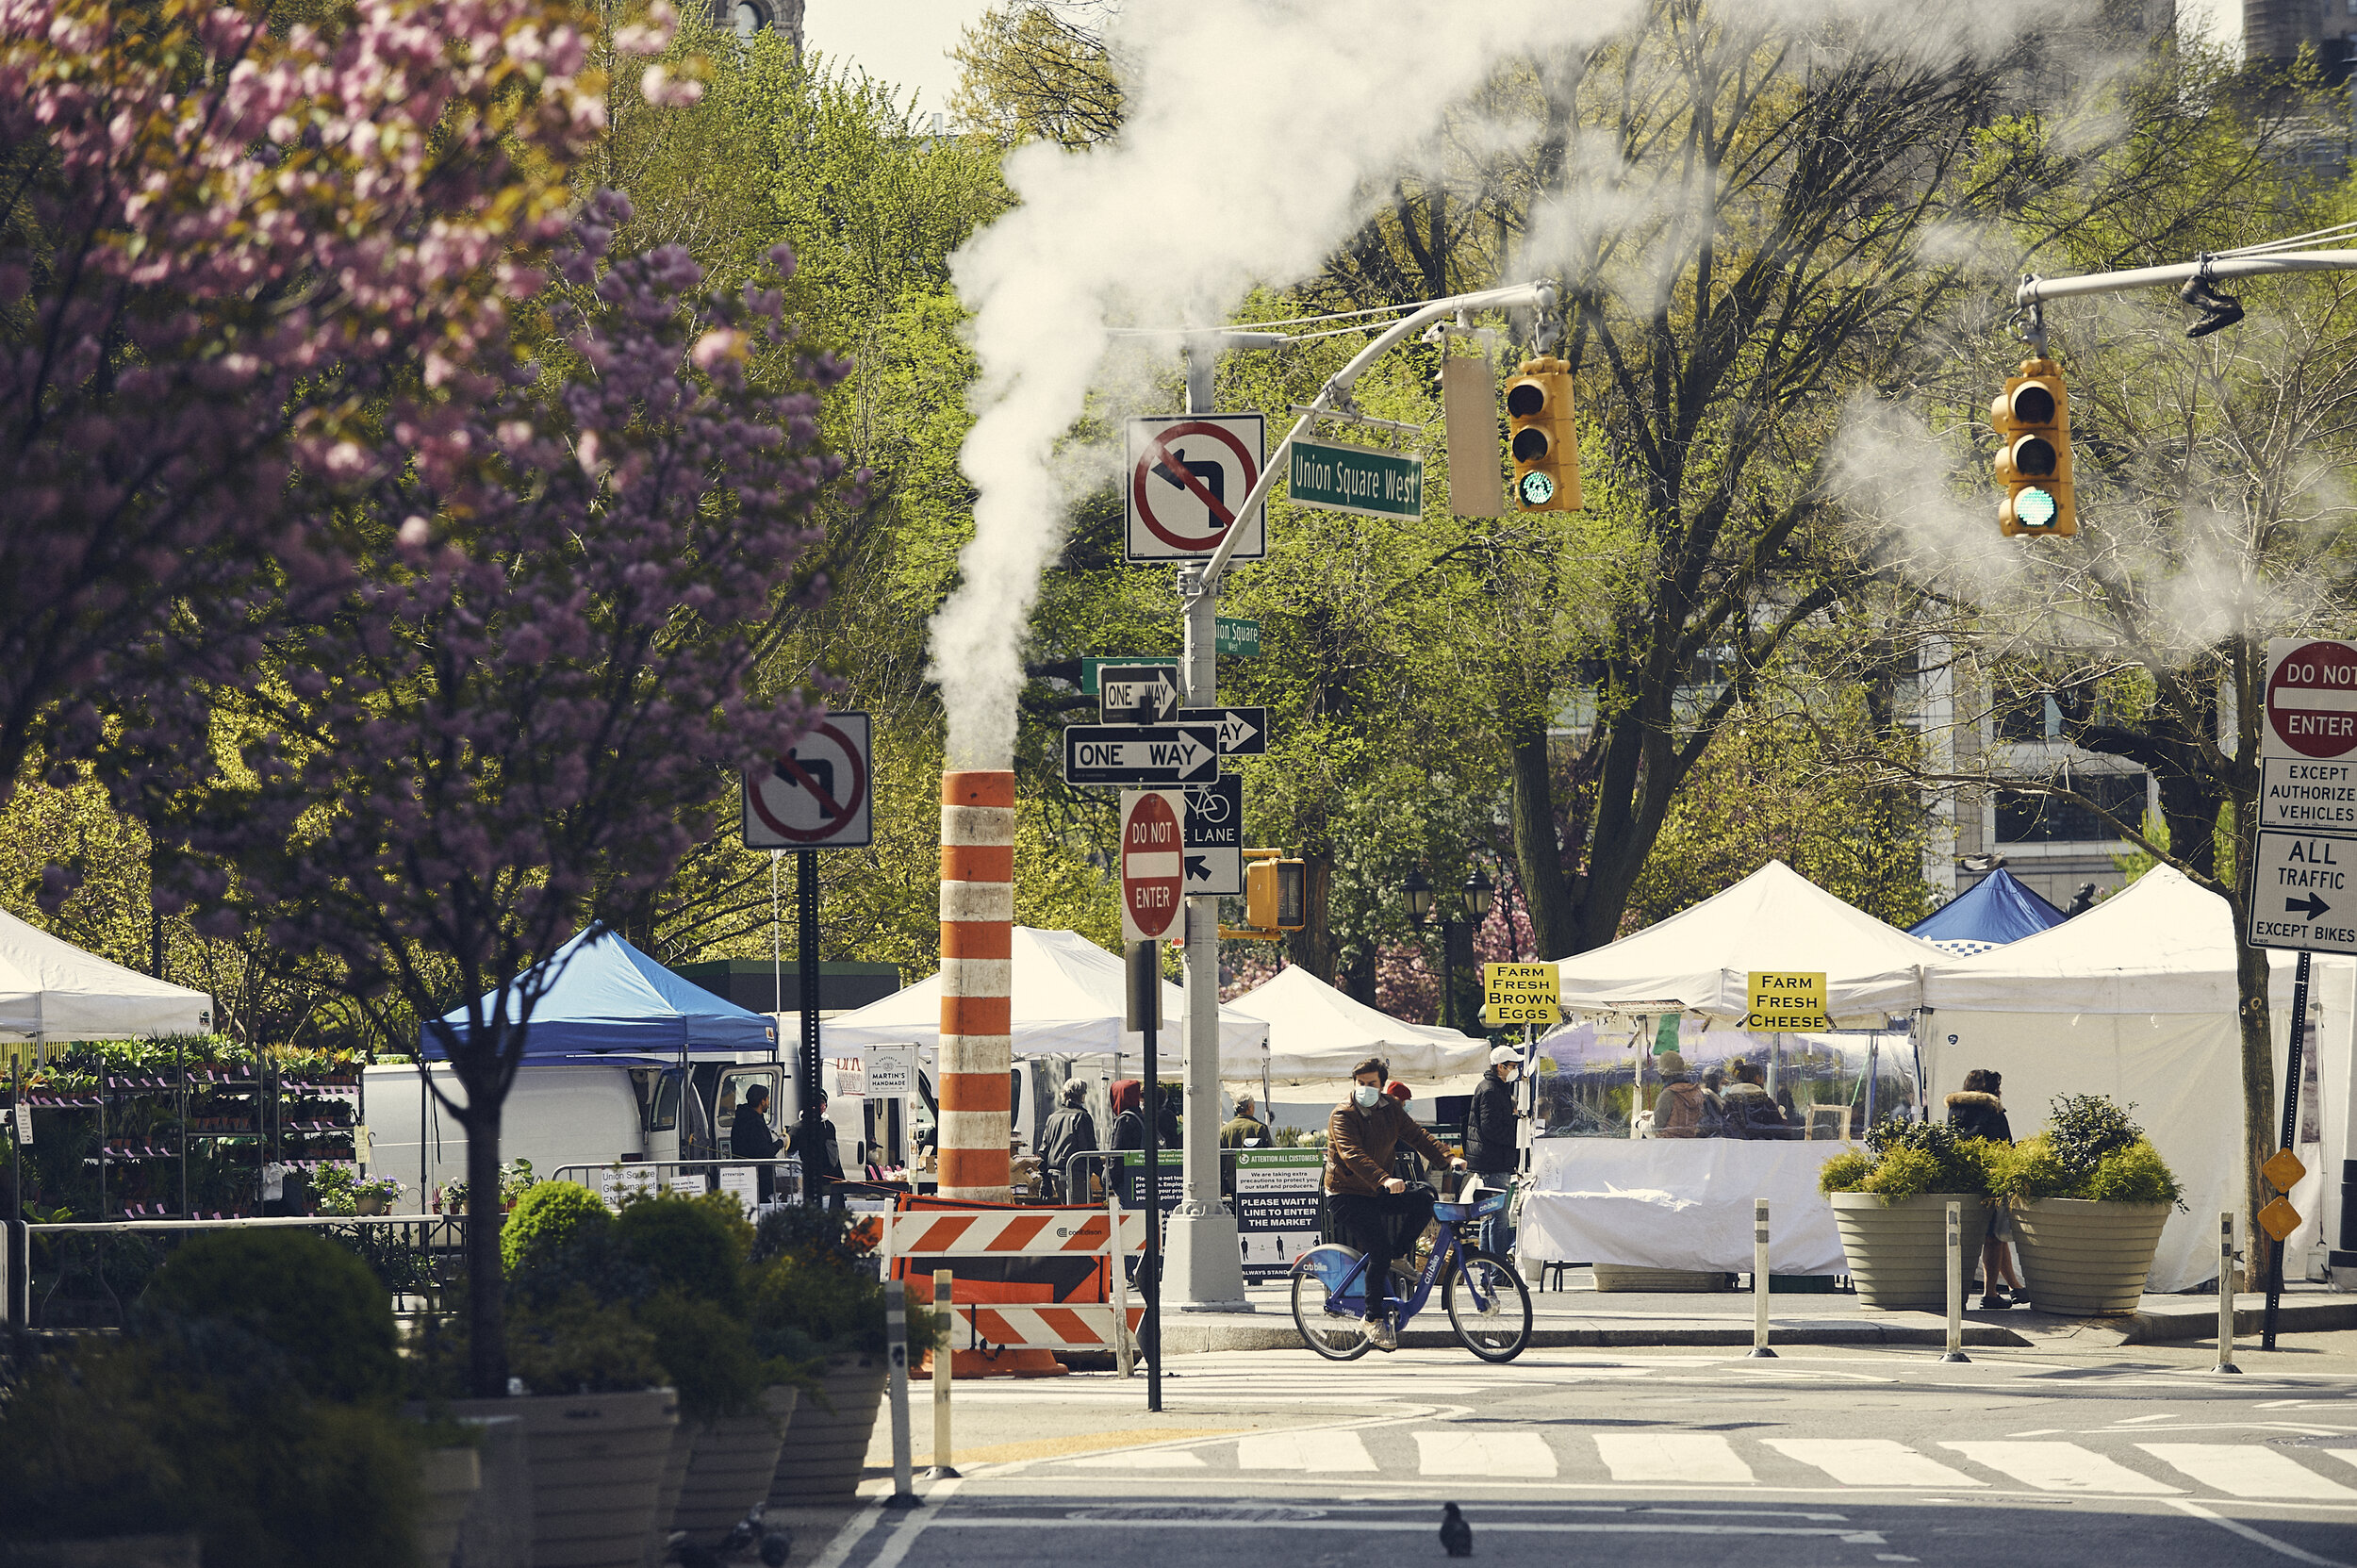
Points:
[(1473, 899)]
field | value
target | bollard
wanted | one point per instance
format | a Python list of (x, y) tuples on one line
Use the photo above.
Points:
[(944, 1373), (2226, 1294), (1955, 1285), (1759, 1280), (1125, 1358), (896, 1353)]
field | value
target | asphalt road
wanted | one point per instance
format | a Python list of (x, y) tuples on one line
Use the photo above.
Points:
[(2131, 1455)]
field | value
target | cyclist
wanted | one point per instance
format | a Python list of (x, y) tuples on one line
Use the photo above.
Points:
[(1372, 1208)]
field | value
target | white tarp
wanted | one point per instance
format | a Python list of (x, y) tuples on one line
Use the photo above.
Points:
[(1067, 1001), (1679, 1203), (1317, 1034), (52, 990), (1701, 961), (2137, 1000)]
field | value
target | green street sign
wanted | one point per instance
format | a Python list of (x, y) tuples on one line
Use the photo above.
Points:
[(1089, 667), (1236, 638), (1355, 479)]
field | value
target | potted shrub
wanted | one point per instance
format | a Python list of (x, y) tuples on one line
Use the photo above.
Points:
[(2089, 1195), (1890, 1204), (814, 1299)]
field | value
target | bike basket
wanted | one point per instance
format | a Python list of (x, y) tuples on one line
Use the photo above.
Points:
[(1456, 1214)]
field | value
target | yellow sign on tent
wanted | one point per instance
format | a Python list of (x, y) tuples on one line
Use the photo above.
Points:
[(1521, 994), (1785, 1000)]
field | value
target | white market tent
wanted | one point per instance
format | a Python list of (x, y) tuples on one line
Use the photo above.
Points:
[(2137, 1000), (1067, 1001), (1700, 961), (51, 990), (1316, 1035)]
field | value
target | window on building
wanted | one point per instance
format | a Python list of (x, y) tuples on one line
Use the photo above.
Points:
[(2023, 817)]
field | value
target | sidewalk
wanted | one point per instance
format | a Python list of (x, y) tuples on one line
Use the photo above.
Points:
[(1584, 1316)]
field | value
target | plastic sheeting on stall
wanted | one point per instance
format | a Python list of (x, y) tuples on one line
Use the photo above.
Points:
[(1600, 1072), (1663, 1203)]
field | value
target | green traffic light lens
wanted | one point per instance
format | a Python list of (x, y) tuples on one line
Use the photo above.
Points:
[(2034, 508), (1537, 490)]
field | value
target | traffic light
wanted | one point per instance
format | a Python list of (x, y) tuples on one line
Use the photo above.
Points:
[(1540, 434), (2033, 419), (1276, 895)]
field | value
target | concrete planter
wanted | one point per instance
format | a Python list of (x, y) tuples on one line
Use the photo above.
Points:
[(826, 1444), (1624, 1276), (447, 1480), (118, 1551), (2085, 1258), (667, 1494), (735, 1461), (597, 1462), (1898, 1252)]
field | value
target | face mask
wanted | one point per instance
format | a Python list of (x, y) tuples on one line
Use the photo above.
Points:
[(1366, 1095)]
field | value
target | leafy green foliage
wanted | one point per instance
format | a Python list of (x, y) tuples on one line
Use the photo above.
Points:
[(2082, 1128), (2046, 1166), (578, 1345), (549, 1218), (314, 1303), (686, 1245), (707, 1355), (1905, 1159), (1845, 1172), (2136, 1174), (1903, 1172)]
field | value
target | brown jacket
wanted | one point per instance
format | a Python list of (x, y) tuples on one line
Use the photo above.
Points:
[(1359, 1146)]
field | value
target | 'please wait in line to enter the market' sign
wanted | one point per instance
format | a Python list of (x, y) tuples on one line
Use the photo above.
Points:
[(1355, 479)]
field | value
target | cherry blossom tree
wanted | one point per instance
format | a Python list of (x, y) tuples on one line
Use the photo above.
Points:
[(552, 661)]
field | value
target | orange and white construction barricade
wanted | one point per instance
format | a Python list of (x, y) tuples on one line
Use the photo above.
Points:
[(988, 1328)]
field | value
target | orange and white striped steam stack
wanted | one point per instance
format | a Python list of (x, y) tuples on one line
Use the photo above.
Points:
[(976, 980)]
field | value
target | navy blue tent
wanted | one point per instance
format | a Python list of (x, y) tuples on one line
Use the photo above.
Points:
[(1994, 912), (610, 999)]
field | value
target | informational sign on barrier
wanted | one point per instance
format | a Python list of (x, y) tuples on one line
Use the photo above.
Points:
[(742, 1182), (1133, 1179), (1277, 1208), (616, 1183)]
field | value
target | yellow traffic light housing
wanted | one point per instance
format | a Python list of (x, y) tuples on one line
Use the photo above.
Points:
[(1275, 896), (1541, 438), (2033, 419)]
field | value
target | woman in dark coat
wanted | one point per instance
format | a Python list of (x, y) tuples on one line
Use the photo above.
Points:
[(1975, 1112)]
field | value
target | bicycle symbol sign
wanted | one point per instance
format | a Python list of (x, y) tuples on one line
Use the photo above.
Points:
[(816, 796)]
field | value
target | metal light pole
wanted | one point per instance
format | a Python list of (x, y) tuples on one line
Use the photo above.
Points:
[(1475, 896)]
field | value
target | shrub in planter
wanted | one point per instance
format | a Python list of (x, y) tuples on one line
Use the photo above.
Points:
[(312, 1301), (1890, 1205), (693, 1246), (549, 1218), (2089, 1195)]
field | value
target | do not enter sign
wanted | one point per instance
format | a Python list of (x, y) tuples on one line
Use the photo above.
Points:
[(1153, 863), (2311, 700)]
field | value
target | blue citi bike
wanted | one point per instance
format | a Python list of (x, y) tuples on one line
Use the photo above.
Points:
[(1487, 1302)]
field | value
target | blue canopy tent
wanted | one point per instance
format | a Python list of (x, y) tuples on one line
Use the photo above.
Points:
[(608, 999), (1995, 911)]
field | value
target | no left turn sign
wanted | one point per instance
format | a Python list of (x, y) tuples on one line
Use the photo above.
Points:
[(1188, 476), (2311, 700), (816, 796)]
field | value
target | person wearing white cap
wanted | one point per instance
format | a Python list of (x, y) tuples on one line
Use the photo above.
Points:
[(1489, 1150)]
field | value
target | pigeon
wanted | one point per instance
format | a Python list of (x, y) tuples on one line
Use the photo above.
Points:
[(688, 1554), (776, 1546), (745, 1534), (1455, 1533)]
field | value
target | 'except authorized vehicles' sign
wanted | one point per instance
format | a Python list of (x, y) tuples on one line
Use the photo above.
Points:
[(2318, 797), (1355, 479), (1785, 1000), (2302, 892)]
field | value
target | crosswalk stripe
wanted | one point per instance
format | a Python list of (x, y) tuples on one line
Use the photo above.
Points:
[(1462, 1451), (2248, 1470), (1695, 1458), (1311, 1450), (1869, 1461), (2058, 1467), (1149, 1459)]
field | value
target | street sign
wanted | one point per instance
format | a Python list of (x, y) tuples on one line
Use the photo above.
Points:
[(1521, 994), (2314, 797), (1137, 693), (1152, 848), (1140, 754), (891, 1071), (2301, 894), (1339, 478), (2311, 700), (1187, 474), (1787, 1000), (816, 796), (1242, 732), (1215, 834), (1233, 637)]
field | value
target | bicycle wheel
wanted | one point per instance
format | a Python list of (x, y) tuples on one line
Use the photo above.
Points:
[(1317, 1272), (1488, 1305)]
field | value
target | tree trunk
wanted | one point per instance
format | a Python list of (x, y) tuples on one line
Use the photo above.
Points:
[(486, 1316), (1537, 857), (2258, 1091), (1312, 946)]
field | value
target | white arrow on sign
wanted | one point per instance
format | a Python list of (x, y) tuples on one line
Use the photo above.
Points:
[(1235, 731)]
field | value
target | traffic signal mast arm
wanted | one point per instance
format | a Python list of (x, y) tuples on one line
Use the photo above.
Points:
[(1542, 295), (2034, 288)]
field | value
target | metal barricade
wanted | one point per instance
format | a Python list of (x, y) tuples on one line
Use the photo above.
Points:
[(613, 1181), (1019, 1232)]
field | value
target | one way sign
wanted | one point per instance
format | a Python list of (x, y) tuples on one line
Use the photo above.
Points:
[(1157, 755), (2303, 894), (1242, 732), (1137, 693)]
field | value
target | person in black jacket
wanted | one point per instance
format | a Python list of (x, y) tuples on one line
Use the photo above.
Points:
[(750, 1138), (1490, 1152), (1071, 1130), (1975, 1112), (827, 1166)]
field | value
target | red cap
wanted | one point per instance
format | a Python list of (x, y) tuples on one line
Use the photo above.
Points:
[(1398, 1091)]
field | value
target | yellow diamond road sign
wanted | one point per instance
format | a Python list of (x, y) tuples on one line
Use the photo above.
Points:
[(1785, 1000), (1521, 994), (2285, 1169)]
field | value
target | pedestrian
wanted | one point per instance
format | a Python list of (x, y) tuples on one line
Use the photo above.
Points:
[(1071, 1130), (1714, 1081), (1976, 1111), (1166, 1114), (1245, 1130), (1490, 1148), (1749, 1112), (1373, 1210), (751, 1138), (1128, 1101), (824, 1164), (1681, 1110)]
